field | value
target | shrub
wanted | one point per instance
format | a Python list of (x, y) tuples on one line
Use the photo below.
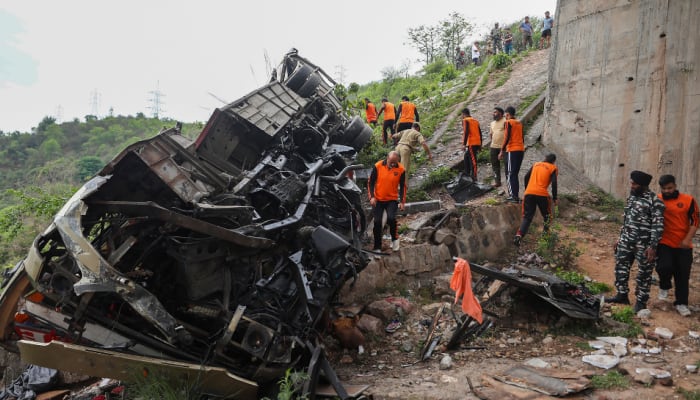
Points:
[(501, 60), (437, 177), (612, 379), (556, 251)]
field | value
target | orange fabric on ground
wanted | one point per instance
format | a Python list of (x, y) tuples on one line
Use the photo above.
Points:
[(461, 283)]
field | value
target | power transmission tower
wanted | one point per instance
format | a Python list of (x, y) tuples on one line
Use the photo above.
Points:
[(59, 114), (156, 102), (340, 72), (95, 98)]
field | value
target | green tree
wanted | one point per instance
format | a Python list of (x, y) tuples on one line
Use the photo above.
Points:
[(426, 40), (453, 31), (87, 167)]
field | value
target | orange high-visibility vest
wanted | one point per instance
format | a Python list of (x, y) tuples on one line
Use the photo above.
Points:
[(389, 111), (386, 188), (540, 178), (471, 132), (371, 111), (680, 214), (513, 140), (408, 112)]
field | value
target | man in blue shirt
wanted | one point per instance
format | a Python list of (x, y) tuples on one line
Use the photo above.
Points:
[(526, 30), (547, 25)]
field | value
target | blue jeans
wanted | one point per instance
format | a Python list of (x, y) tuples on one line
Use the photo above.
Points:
[(508, 47)]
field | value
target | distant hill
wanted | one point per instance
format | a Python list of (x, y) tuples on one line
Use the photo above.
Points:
[(71, 152)]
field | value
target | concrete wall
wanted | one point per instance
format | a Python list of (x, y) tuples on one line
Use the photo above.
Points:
[(624, 92)]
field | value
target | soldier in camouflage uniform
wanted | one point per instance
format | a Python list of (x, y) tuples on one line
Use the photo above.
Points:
[(640, 234)]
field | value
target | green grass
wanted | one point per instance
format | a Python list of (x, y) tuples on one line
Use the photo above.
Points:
[(555, 250), (437, 177), (148, 386), (611, 380), (605, 202), (525, 103), (623, 314), (492, 202), (584, 346), (576, 278), (414, 195)]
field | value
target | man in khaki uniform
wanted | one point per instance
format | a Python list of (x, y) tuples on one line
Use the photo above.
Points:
[(497, 133), (409, 140)]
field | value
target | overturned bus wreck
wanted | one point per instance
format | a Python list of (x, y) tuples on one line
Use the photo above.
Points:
[(219, 255)]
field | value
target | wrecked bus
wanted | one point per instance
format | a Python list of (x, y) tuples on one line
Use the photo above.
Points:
[(213, 260)]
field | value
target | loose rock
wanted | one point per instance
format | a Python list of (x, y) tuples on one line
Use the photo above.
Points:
[(601, 360), (446, 363), (663, 333)]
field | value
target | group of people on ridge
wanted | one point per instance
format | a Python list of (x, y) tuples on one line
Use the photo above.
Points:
[(503, 39)]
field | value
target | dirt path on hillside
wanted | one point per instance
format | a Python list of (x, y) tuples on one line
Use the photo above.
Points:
[(526, 78)]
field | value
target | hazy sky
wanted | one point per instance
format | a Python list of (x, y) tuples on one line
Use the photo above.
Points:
[(57, 56)]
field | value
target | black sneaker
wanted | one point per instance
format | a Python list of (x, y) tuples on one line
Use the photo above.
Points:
[(513, 200), (517, 239), (618, 299), (639, 306)]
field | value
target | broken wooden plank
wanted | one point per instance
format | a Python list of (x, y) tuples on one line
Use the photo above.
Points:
[(531, 379), (495, 390)]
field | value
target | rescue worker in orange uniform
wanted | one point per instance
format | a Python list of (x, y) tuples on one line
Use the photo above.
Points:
[(537, 180), (389, 118), (514, 150), (408, 114), (675, 250), (371, 112), (387, 192), (471, 142)]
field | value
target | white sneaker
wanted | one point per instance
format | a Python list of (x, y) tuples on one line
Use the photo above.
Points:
[(395, 245), (663, 294), (683, 310)]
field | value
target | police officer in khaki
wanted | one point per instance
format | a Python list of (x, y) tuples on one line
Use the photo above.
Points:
[(409, 142)]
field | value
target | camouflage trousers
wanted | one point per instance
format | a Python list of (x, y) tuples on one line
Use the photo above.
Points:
[(624, 257)]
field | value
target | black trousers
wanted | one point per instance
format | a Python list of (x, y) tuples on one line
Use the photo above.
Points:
[(496, 164), (513, 161), (391, 207), (530, 203), (470, 160), (674, 263), (389, 124)]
